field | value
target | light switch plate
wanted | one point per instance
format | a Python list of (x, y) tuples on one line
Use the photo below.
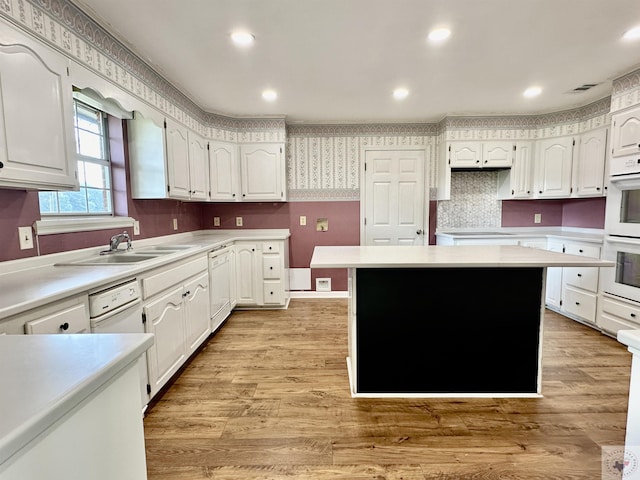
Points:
[(216, 221), (136, 227), (175, 223), (537, 217), (238, 221), (303, 220), (25, 234)]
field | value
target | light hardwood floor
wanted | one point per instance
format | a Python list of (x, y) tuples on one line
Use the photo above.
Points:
[(268, 398)]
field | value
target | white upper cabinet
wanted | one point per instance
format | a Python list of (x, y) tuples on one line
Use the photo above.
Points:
[(166, 160), (37, 147), (223, 172), (263, 173), (625, 138), (554, 163), (518, 182), (178, 160), (480, 154), (198, 166), (589, 168)]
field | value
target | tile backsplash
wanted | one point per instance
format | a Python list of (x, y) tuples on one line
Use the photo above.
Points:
[(473, 201)]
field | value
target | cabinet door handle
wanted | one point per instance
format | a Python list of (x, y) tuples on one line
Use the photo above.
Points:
[(1, 165), (419, 232), (579, 274), (633, 315), (64, 326), (270, 268), (577, 303)]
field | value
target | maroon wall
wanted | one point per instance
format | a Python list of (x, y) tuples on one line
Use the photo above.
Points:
[(343, 229), (581, 213)]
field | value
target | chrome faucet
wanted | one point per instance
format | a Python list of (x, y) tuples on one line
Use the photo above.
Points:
[(115, 242)]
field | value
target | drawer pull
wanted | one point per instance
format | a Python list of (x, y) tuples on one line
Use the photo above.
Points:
[(581, 251), (577, 303), (579, 274), (270, 268), (64, 326), (633, 315)]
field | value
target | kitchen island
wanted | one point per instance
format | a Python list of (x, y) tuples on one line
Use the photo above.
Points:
[(451, 321), (71, 407)]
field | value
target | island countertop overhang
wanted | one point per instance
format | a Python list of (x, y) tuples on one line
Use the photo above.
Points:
[(446, 256)]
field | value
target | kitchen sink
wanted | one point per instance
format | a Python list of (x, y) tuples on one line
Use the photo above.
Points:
[(111, 259), (160, 249)]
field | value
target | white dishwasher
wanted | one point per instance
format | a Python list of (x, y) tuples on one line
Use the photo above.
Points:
[(118, 309), (219, 285)]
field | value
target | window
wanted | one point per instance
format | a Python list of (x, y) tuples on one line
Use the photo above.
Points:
[(94, 169)]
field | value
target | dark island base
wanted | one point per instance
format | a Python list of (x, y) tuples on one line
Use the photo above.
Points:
[(448, 330)]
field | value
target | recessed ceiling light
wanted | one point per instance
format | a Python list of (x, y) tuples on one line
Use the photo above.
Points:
[(632, 34), (242, 38), (532, 92), (439, 34), (400, 93), (269, 95)]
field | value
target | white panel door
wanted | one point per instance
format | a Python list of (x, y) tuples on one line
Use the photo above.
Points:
[(394, 197)]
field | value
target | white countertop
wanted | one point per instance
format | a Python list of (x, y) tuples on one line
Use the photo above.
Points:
[(630, 338), (446, 256), (43, 377), (29, 283), (569, 233)]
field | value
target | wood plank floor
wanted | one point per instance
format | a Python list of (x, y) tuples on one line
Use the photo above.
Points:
[(268, 398)]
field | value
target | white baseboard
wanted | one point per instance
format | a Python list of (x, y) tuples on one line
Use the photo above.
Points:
[(313, 294)]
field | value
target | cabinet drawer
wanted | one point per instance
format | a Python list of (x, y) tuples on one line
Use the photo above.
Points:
[(166, 277), (271, 266), (611, 324), (621, 309), (582, 277), (273, 292), (270, 247), (580, 304), (583, 250), (73, 319)]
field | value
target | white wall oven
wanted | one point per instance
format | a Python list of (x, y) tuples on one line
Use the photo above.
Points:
[(623, 280), (623, 206)]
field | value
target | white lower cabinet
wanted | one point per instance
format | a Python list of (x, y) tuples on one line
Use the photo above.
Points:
[(178, 316), (262, 272), (573, 291), (70, 315), (616, 313)]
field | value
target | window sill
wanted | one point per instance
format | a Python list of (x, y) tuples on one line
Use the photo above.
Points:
[(50, 226)]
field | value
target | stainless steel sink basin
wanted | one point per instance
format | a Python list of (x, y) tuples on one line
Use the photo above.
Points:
[(112, 259)]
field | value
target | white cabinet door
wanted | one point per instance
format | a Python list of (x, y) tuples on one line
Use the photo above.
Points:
[(522, 170), (625, 137), (590, 165), (554, 278), (147, 157), (198, 164), (37, 145), (198, 317), (553, 167), (223, 171), (65, 316), (263, 172), (497, 154), (165, 319), (248, 279), (233, 275), (178, 160), (465, 154)]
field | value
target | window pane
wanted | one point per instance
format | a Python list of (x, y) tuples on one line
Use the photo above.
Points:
[(96, 176), (48, 202), (73, 202), (99, 200), (90, 144), (88, 118)]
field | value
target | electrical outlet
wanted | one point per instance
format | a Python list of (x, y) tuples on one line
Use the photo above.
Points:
[(216, 221), (238, 221), (136, 227), (25, 234), (537, 218), (303, 220), (175, 223)]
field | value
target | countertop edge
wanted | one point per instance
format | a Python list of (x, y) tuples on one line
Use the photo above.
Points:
[(19, 438)]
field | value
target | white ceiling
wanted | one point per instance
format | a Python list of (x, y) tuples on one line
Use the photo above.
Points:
[(338, 61)]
